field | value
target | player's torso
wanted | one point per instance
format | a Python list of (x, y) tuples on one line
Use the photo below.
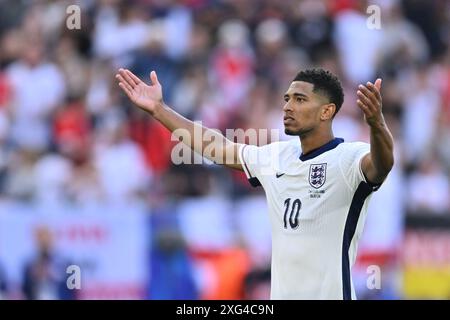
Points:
[(307, 195), (308, 204)]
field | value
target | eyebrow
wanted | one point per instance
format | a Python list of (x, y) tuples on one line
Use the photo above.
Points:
[(295, 94)]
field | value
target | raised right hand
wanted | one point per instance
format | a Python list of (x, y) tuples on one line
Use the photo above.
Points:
[(146, 97)]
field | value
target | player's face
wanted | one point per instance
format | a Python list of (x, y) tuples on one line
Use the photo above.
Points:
[(302, 108)]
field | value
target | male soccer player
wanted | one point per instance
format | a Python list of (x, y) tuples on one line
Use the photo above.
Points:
[(317, 187)]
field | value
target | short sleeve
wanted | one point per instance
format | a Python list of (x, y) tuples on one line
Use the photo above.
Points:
[(350, 163), (257, 162)]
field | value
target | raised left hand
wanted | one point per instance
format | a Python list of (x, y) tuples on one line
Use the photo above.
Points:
[(369, 101)]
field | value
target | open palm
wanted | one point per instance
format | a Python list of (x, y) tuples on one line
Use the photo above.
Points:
[(146, 97)]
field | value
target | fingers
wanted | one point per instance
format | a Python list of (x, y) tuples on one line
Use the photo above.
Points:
[(374, 89), (125, 89), (378, 84), (363, 98), (154, 78), (369, 101), (133, 77), (125, 86), (368, 92), (362, 106), (127, 77), (124, 82)]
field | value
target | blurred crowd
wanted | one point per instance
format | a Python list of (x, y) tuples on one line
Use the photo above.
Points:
[(69, 136)]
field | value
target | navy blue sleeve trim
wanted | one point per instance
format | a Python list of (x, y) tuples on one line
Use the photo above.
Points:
[(362, 192), (254, 182), (242, 156)]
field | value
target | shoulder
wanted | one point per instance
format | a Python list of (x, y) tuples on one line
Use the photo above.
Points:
[(286, 147), (352, 149), (272, 156), (351, 153), (357, 145), (277, 147)]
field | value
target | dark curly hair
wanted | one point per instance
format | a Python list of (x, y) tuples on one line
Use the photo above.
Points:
[(325, 83)]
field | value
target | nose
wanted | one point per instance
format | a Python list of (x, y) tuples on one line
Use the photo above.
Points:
[(287, 107)]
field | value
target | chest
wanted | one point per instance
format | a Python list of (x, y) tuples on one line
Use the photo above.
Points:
[(308, 195)]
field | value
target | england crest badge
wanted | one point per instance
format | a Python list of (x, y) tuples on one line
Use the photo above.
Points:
[(317, 175)]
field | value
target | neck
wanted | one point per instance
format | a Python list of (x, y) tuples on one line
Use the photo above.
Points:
[(312, 140)]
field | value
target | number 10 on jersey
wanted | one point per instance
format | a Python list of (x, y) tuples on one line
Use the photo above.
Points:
[(293, 212)]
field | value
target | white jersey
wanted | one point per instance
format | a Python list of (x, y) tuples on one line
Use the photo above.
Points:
[(317, 206)]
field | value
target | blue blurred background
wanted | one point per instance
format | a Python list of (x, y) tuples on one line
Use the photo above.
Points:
[(86, 179)]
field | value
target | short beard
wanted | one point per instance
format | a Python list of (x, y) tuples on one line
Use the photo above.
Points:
[(300, 133)]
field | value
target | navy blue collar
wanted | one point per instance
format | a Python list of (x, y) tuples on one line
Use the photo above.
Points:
[(326, 147)]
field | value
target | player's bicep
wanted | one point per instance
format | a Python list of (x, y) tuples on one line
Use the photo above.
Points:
[(369, 170)]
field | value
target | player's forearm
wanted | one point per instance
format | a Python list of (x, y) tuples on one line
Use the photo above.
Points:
[(381, 149), (150, 99), (195, 136)]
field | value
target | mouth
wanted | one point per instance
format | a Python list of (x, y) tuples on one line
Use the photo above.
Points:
[(288, 119)]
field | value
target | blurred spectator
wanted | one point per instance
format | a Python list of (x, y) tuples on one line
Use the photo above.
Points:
[(232, 64), (73, 65), (44, 276), (422, 102), (172, 273), (116, 155), (18, 184), (38, 87), (154, 140), (431, 18), (429, 188), (51, 174), (358, 50), (314, 28), (119, 29), (403, 44), (152, 56)]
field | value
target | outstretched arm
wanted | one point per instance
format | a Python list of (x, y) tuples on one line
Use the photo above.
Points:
[(149, 98), (377, 164)]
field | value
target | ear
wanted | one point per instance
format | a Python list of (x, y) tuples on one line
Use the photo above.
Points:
[(328, 110)]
